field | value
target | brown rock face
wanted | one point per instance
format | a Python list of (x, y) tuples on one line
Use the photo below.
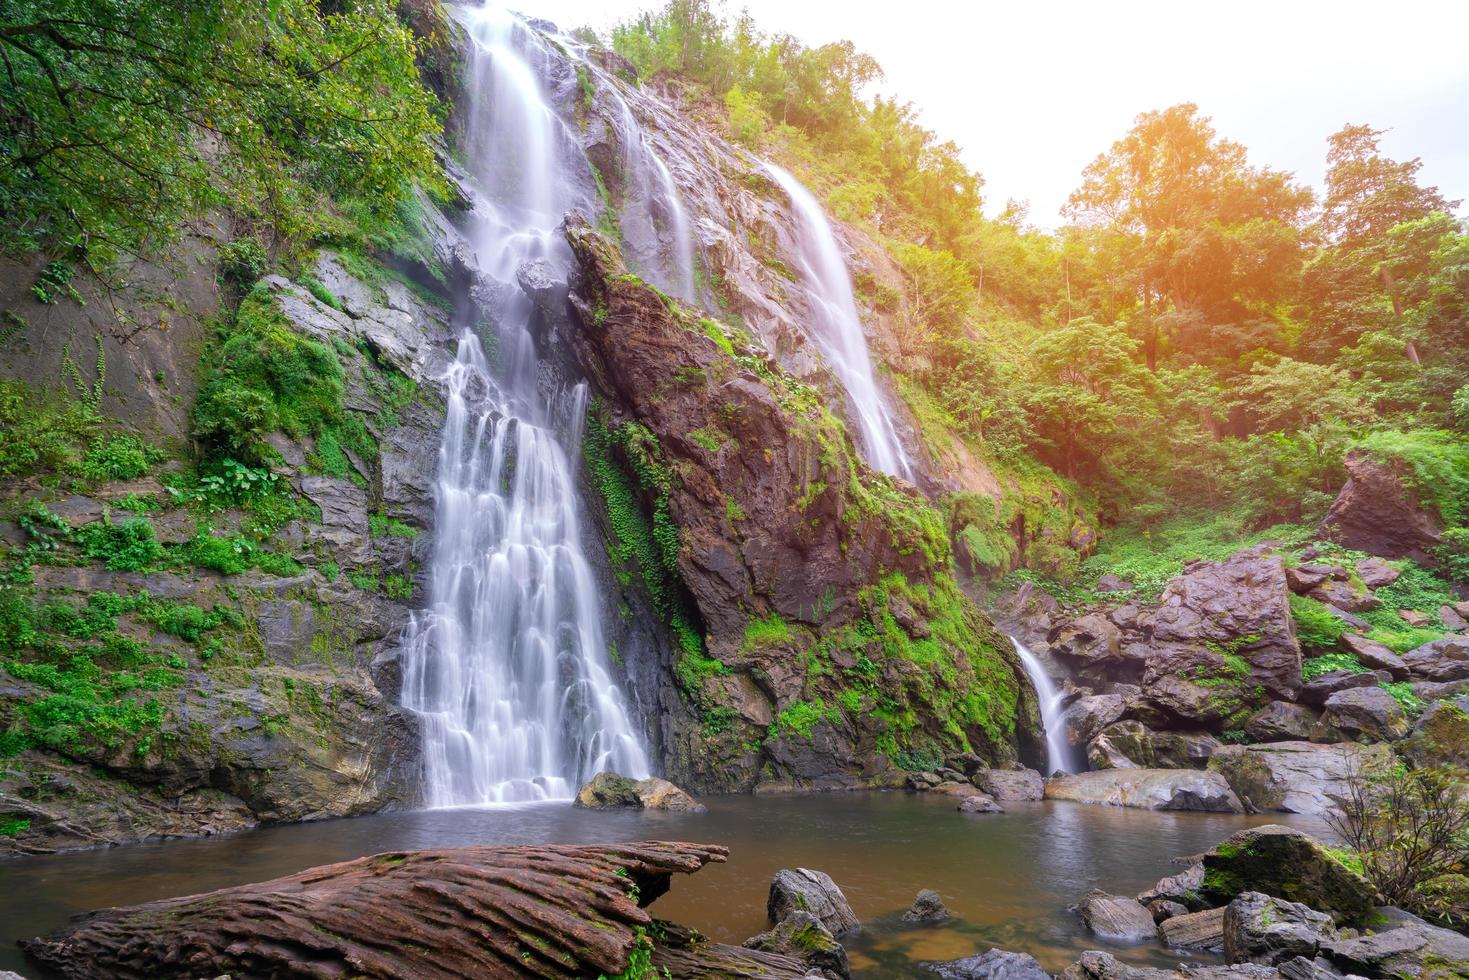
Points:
[(1376, 512), (542, 911), (790, 553)]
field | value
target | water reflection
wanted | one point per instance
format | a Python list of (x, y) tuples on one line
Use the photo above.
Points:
[(1008, 877)]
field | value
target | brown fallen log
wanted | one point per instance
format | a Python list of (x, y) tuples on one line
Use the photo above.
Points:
[(533, 911)]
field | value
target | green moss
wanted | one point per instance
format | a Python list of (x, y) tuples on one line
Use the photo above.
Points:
[(14, 826), (766, 632), (1317, 666)]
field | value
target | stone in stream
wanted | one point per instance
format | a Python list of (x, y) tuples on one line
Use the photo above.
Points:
[(1097, 965), (1163, 909), (1182, 888), (610, 791), (1011, 785), (1197, 930), (801, 935), (1116, 917), (804, 890), (1413, 950), (980, 803), (570, 911), (1260, 929), (1296, 777), (927, 909), (1148, 789), (1286, 863), (994, 964)]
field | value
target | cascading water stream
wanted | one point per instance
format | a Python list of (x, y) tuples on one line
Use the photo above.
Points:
[(507, 668), (837, 329), (1059, 756)]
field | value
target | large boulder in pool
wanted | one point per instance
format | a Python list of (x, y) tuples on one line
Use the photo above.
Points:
[(1148, 789), (804, 890), (801, 935), (609, 791), (553, 910), (1116, 917), (994, 964), (1259, 928), (1296, 777), (1285, 863), (1011, 785)]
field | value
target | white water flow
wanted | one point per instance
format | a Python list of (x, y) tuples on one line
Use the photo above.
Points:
[(654, 221), (837, 329), (1058, 750), (507, 668)]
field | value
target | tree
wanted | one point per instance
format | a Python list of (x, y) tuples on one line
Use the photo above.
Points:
[(123, 118), (1206, 234), (1368, 194)]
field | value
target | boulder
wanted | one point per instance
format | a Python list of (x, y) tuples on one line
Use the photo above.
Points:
[(1240, 604), (927, 909), (1281, 721), (1413, 950), (1374, 655), (1090, 645), (1295, 777), (1375, 573), (1197, 930), (1096, 965), (1131, 744), (1436, 691), (1343, 596), (994, 964), (1259, 928), (1162, 909), (803, 890), (1451, 619), (1319, 689), (980, 803), (1112, 583), (1362, 714), (1303, 580), (570, 911), (1413, 617), (1440, 736), (802, 936), (1285, 863), (1376, 512), (1086, 717), (1182, 888), (1440, 660), (1148, 789), (1116, 917), (1011, 785), (610, 791)]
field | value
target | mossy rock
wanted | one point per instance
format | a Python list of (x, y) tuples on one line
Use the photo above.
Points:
[(1286, 863)]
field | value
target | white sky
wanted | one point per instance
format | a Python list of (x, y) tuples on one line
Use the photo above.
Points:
[(1033, 91)]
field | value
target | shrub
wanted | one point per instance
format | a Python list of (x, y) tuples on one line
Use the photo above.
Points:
[(127, 547), (115, 456), (228, 556), (1315, 667), (242, 262), (1316, 627)]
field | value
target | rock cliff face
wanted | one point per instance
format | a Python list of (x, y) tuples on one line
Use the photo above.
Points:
[(835, 637)]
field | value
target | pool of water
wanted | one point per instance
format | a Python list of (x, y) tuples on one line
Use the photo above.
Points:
[(1007, 877)]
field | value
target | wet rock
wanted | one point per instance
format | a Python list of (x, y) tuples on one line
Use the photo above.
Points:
[(1011, 785), (1296, 777), (1091, 646), (927, 909), (1162, 908), (575, 916), (1096, 965), (802, 936), (538, 280), (1415, 950), (994, 964), (1440, 660), (1086, 717), (1116, 917), (610, 791), (683, 952), (1374, 655), (1259, 928), (1280, 721), (1182, 888), (1376, 512), (1301, 968), (1375, 573), (1318, 690), (803, 890), (1148, 789), (980, 803), (1285, 863), (1197, 930), (1131, 744), (1362, 714), (1344, 597)]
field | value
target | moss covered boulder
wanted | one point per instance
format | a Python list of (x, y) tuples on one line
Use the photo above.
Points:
[(610, 791), (1286, 863)]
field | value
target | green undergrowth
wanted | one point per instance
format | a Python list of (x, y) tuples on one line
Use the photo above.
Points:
[(626, 468), (1328, 663)]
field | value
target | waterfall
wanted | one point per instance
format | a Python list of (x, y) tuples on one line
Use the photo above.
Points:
[(837, 328), (506, 667), (1058, 750)]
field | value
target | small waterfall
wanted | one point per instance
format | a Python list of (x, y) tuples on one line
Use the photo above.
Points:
[(838, 328), (506, 667), (1058, 751)]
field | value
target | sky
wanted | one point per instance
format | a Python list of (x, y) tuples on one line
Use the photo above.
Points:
[(1032, 92)]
